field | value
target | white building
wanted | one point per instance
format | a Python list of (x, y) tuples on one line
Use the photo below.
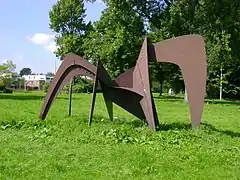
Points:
[(34, 80)]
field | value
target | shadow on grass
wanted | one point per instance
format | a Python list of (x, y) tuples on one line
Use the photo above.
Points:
[(163, 98), (222, 102), (179, 98), (204, 126), (226, 132), (174, 126), (119, 121), (136, 123), (179, 126), (168, 97), (27, 97)]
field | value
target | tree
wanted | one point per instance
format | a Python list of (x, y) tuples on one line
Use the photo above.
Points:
[(50, 74), (67, 21), (6, 74), (25, 71), (7, 67), (217, 21), (21, 82), (116, 39)]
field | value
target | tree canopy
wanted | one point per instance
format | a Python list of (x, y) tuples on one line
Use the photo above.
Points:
[(6, 70), (25, 71), (116, 37), (67, 22)]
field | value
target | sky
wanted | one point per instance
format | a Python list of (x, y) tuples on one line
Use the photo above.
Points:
[(25, 36)]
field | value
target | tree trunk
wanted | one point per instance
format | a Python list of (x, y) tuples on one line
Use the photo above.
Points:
[(161, 88), (70, 97), (221, 79)]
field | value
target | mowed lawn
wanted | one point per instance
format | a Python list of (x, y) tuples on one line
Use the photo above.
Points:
[(65, 147)]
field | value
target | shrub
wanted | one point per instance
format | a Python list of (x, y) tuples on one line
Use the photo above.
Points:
[(82, 87), (45, 87), (5, 90)]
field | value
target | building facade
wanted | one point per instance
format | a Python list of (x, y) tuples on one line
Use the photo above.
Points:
[(34, 81)]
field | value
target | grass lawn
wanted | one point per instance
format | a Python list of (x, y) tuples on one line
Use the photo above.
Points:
[(65, 147)]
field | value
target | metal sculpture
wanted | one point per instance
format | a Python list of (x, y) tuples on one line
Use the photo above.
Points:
[(131, 90)]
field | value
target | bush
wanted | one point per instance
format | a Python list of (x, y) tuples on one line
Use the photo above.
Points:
[(82, 87), (155, 87), (5, 90), (79, 86), (45, 87)]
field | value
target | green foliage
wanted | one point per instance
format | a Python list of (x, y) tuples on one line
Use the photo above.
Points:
[(50, 74), (45, 87), (21, 82), (116, 38), (82, 85), (67, 21), (25, 71), (6, 90), (2, 83), (216, 21), (6, 74), (7, 67)]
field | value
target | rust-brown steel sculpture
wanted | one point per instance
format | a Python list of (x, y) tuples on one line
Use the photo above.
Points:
[(131, 90)]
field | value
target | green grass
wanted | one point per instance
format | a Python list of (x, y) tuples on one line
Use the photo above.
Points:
[(65, 147)]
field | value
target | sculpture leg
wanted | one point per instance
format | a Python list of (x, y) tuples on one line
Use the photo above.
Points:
[(195, 85), (93, 97), (188, 52), (101, 75), (155, 112), (108, 102), (142, 84), (71, 66), (70, 98)]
